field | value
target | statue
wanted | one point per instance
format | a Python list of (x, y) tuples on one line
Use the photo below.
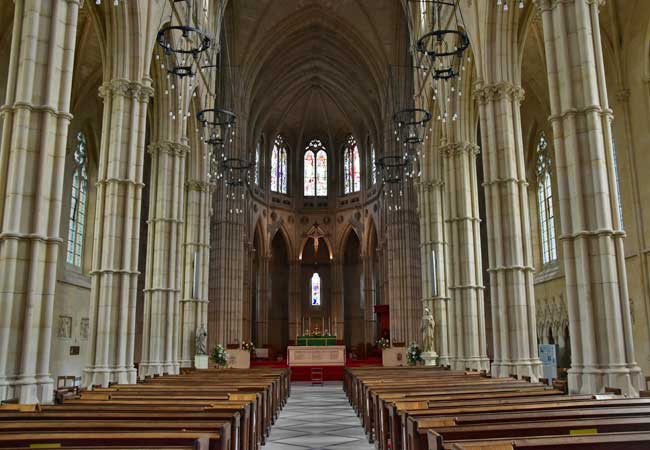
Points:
[(201, 341), (428, 328)]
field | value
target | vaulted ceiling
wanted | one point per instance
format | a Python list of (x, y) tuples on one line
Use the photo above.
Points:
[(315, 68)]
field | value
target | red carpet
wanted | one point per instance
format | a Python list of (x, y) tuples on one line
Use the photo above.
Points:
[(329, 373)]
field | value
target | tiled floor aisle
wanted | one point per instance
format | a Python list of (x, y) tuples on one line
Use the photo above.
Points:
[(317, 417)]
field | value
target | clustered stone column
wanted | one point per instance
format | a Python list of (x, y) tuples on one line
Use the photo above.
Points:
[(338, 310), (466, 277), (32, 160), (117, 233), (404, 277), (263, 295), (508, 222), (369, 337), (194, 299), (432, 239), (592, 240), (160, 353)]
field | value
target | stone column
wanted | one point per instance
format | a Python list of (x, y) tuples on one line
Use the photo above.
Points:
[(602, 346), (466, 277), (163, 277), (36, 117), (337, 307), (369, 337), (263, 296), (117, 233), (432, 238), (247, 291), (509, 233), (194, 299), (295, 300)]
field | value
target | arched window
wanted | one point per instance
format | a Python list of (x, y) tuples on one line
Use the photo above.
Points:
[(618, 186), (545, 201), (315, 289), (315, 170), (373, 159), (351, 167), (279, 166), (257, 162), (77, 220)]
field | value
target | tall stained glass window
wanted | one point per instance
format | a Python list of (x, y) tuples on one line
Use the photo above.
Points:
[(373, 161), (545, 202), (77, 219), (315, 289), (279, 166), (315, 169), (351, 167), (257, 163), (618, 186)]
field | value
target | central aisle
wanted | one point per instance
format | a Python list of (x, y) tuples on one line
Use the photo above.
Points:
[(317, 417)]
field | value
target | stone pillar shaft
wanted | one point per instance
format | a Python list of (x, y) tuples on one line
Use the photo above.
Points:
[(117, 233), (509, 232), (432, 238), (36, 118), (369, 337), (466, 278), (602, 346), (160, 352), (194, 299), (262, 305)]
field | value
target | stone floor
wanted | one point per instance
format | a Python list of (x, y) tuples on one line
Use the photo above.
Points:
[(317, 417)]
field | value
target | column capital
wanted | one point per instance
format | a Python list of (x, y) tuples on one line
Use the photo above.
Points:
[(548, 5), (198, 185), (458, 148), (171, 148), (428, 186), (488, 93), (125, 88)]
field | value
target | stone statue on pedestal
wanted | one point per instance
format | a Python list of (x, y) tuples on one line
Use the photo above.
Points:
[(428, 329), (201, 341)]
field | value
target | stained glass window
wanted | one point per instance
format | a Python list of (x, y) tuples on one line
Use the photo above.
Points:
[(257, 163), (373, 159), (315, 169), (77, 219), (545, 202), (315, 289), (351, 167), (279, 166), (618, 186)]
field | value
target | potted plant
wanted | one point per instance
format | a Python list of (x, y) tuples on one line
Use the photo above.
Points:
[(383, 343), (414, 354), (248, 346), (220, 356)]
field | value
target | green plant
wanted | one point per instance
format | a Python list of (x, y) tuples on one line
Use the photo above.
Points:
[(219, 356), (414, 354)]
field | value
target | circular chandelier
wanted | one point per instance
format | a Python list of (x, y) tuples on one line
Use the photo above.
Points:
[(182, 46), (445, 49), (217, 125), (410, 125)]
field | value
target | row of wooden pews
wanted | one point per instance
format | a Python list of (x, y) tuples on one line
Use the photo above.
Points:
[(213, 409), (430, 408)]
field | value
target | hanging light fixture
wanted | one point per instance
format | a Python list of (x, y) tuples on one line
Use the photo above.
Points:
[(503, 4)]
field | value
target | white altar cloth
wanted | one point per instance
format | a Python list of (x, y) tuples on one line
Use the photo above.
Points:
[(327, 355)]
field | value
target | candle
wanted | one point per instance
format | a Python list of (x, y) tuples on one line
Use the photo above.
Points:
[(322, 323), (303, 325)]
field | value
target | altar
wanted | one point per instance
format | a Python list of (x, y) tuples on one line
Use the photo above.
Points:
[(318, 356), (316, 340)]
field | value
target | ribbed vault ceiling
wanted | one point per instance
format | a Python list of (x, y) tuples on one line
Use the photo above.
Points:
[(314, 68)]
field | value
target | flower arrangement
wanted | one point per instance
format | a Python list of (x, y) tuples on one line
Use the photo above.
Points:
[(383, 343), (220, 356), (249, 346), (414, 354)]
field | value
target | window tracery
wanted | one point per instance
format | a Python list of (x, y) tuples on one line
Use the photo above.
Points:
[(545, 201), (77, 219), (351, 167), (279, 166), (315, 169)]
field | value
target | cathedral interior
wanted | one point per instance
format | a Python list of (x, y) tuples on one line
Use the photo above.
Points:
[(259, 182)]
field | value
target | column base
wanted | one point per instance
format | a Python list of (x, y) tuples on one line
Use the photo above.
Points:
[(444, 360), (530, 368), (430, 358), (103, 376), (31, 390), (476, 363), (589, 380)]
